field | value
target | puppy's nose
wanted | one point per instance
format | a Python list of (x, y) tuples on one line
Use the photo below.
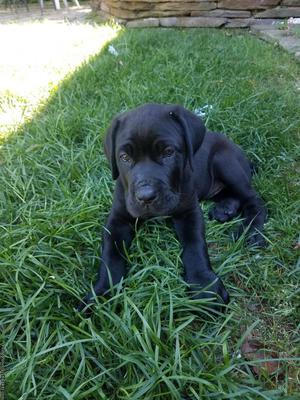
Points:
[(145, 194)]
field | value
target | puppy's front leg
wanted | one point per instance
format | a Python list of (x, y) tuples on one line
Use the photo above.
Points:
[(199, 275), (118, 234)]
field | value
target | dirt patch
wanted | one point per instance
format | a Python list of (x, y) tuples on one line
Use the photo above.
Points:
[(20, 14)]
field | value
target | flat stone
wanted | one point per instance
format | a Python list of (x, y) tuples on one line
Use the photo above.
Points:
[(247, 4), (161, 1), (291, 3), (168, 22), (238, 23), (270, 35), (266, 23), (199, 13), (279, 12), (137, 6), (129, 5), (222, 13), (129, 14), (289, 43), (187, 7), (200, 22), (143, 23), (270, 3)]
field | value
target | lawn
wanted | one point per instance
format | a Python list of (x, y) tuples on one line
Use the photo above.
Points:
[(296, 30), (150, 341)]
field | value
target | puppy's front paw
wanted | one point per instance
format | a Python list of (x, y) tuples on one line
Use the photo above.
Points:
[(210, 287)]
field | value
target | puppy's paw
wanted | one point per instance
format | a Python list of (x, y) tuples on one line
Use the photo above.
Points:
[(211, 287), (224, 211), (218, 214)]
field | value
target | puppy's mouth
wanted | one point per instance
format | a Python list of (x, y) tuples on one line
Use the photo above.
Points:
[(162, 205)]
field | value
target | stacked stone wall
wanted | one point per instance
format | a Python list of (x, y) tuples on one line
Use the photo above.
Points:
[(194, 13)]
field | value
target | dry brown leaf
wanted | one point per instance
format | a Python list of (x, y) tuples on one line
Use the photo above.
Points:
[(253, 350)]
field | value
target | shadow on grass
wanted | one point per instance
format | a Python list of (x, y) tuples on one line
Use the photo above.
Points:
[(56, 194)]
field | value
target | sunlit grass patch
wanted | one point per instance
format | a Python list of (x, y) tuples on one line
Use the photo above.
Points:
[(35, 57)]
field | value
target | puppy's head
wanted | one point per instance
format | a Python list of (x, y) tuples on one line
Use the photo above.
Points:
[(150, 149)]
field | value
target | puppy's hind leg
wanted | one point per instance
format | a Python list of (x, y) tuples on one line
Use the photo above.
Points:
[(255, 215), (233, 174)]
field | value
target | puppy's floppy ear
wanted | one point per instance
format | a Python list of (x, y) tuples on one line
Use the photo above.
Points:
[(110, 145), (193, 130)]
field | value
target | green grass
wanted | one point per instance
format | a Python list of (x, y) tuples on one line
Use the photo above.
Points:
[(296, 30), (150, 341)]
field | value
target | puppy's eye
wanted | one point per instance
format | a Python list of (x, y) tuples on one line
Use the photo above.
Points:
[(125, 157), (168, 152)]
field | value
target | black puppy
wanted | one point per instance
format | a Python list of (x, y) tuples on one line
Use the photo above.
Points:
[(164, 162)]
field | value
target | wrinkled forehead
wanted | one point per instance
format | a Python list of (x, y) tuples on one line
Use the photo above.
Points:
[(145, 132)]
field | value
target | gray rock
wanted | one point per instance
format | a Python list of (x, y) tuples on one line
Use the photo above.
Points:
[(143, 23), (288, 42), (292, 3), (247, 4), (193, 22), (200, 22), (222, 13), (279, 12), (267, 23), (187, 7), (238, 23), (168, 22)]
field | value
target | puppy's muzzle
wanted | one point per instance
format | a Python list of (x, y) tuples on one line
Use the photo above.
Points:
[(145, 194)]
